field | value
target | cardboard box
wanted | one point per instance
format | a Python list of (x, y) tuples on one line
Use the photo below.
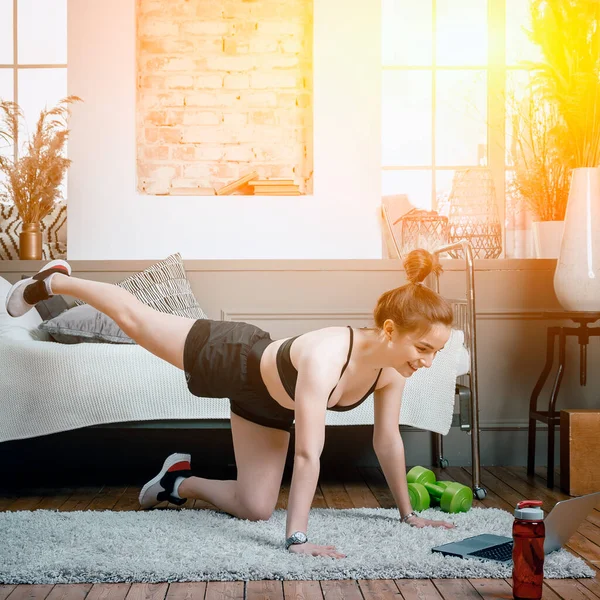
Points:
[(580, 451)]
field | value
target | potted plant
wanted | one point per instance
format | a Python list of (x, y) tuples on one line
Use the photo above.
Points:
[(541, 169), (568, 78), (33, 178)]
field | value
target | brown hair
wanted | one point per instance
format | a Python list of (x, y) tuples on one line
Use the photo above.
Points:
[(414, 306)]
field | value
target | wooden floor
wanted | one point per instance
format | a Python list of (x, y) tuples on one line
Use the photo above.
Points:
[(357, 488)]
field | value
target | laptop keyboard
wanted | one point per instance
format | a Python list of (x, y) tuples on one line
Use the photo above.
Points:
[(502, 553)]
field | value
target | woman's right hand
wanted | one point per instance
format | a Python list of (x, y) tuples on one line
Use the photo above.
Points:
[(316, 550)]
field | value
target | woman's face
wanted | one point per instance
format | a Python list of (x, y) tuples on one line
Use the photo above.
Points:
[(415, 350)]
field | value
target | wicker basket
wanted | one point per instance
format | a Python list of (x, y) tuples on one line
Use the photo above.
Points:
[(422, 229), (474, 213)]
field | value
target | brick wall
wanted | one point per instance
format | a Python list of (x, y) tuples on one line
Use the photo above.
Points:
[(224, 87)]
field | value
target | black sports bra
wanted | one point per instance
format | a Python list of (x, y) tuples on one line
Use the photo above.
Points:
[(289, 375)]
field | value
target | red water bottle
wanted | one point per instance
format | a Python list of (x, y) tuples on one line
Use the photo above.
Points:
[(528, 550)]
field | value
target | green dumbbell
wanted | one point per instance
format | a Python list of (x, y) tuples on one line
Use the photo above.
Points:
[(453, 498), (420, 475), (419, 496), (449, 495), (443, 484)]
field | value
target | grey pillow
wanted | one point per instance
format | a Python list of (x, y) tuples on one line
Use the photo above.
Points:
[(164, 286), (84, 324), (51, 308)]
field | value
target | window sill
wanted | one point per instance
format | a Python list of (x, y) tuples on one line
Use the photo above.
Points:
[(481, 265)]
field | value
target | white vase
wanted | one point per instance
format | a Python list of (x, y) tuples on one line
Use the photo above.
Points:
[(577, 276), (547, 236)]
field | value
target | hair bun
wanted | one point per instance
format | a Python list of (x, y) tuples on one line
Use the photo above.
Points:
[(419, 263)]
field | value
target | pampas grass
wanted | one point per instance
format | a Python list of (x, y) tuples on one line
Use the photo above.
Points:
[(539, 155), (33, 179)]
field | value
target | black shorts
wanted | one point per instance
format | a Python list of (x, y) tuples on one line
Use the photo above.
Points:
[(221, 359)]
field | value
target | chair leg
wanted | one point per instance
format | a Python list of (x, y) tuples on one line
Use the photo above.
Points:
[(534, 399), (531, 446), (550, 476), (552, 406)]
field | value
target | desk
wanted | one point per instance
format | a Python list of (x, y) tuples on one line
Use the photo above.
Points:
[(550, 416)]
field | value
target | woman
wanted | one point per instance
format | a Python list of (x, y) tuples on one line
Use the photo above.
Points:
[(271, 384)]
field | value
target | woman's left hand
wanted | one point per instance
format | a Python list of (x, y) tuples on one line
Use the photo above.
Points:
[(419, 523)]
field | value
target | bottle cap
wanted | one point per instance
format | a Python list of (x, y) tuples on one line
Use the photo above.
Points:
[(529, 510)]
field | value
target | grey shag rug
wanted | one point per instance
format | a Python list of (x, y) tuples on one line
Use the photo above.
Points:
[(49, 547)]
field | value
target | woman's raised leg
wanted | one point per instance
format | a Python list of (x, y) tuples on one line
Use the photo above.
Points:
[(160, 333)]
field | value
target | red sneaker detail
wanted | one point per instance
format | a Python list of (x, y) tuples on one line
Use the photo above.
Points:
[(180, 466)]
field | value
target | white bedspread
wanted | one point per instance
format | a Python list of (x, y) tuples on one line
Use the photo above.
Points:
[(46, 387)]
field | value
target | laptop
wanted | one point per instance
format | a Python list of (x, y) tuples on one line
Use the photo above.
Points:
[(561, 523)]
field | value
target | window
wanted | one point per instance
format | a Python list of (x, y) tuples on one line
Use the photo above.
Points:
[(33, 58), (447, 68)]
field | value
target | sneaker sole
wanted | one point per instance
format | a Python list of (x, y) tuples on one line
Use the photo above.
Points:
[(169, 462), (25, 282)]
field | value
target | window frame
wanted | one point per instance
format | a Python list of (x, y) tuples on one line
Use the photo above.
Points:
[(16, 67), (496, 70)]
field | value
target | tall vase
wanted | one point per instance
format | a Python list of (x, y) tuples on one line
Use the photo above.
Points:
[(577, 276), (30, 242)]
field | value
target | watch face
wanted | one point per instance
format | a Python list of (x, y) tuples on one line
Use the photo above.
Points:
[(296, 538)]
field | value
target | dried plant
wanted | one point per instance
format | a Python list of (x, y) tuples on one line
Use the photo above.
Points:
[(537, 151), (568, 77), (33, 178)]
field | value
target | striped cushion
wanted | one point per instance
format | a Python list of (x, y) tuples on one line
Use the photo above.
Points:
[(164, 287)]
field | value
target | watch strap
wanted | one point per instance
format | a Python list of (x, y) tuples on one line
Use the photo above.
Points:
[(298, 537), (405, 518)]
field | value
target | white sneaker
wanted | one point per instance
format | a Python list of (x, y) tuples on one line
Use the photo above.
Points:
[(21, 298), (160, 488)]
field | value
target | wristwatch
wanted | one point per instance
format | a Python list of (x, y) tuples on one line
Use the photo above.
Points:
[(296, 538), (405, 518)]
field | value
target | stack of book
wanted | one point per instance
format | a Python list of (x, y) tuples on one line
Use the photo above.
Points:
[(239, 186), (274, 187)]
